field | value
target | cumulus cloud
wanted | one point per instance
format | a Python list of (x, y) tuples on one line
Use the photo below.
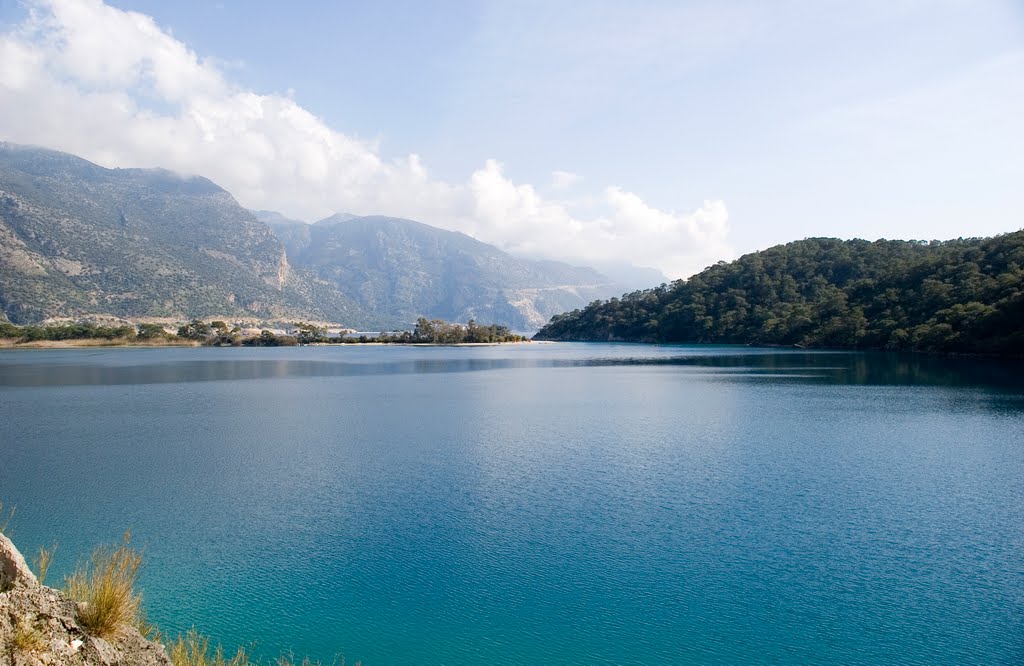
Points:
[(112, 86)]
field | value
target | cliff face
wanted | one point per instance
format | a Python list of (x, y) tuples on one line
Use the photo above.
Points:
[(403, 269), (38, 625), (77, 239)]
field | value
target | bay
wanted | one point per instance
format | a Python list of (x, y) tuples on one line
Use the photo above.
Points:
[(539, 503)]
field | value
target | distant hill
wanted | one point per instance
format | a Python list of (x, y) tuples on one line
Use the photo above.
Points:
[(76, 239), (954, 296), (630, 276), (403, 269)]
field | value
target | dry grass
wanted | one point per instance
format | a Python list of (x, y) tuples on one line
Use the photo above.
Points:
[(42, 562), (193, 649), (27, 638), (108, 603), (148, 630), (105, 588)]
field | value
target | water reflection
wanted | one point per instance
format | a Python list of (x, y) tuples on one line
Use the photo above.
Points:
[(729, 364)]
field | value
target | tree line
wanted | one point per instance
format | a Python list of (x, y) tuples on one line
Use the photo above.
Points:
[(72, 331), (964, 295), (426, 331), (220, 333)]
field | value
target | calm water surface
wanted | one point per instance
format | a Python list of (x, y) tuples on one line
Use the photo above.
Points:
[(542, 503)]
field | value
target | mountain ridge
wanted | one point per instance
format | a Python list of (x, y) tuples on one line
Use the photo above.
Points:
[(79, 240), (404, 268)]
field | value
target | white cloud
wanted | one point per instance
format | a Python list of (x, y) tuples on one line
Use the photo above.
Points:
[(115, 88), (563, 180)]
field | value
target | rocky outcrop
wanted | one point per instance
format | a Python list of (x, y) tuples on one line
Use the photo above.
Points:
[(14, 572), (38, 626)]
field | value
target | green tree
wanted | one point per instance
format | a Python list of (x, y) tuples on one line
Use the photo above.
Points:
[(309, 333), (194, 330), (8, 330), (151, 331)]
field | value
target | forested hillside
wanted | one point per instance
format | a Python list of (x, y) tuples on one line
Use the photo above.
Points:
[(963, 295)]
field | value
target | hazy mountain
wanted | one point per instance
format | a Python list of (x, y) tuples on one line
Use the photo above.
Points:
[(292, 233), (272, 216), (337, 217), (76, 238), (630, 276), (404, 269)]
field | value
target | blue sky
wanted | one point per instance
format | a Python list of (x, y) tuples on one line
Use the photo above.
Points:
[(686, 132)]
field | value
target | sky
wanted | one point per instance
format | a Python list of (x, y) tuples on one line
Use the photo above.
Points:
[(662, 134)]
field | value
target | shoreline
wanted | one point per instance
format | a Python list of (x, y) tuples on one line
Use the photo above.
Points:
[(102, 343), (86, 343)]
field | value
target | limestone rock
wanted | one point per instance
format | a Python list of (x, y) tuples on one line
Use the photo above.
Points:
[(39, 627), (13, 570)]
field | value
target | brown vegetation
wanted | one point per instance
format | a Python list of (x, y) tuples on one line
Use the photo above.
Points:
[(98, 619), (105, 589)]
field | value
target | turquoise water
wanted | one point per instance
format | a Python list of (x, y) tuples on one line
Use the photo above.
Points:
[(538, 503)]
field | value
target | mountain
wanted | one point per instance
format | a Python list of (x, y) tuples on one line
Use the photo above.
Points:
[(964, 295), (630, 276), (76, 239), (405, 269)]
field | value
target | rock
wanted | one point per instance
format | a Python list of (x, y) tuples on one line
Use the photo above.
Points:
[(14, 572), (38, 626)]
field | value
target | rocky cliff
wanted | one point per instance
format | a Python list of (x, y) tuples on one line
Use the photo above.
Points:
[(39, 625), (77, 239), (403, 269)]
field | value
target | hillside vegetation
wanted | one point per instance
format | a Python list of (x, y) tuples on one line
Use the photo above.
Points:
[(964, 295), (78, 239)]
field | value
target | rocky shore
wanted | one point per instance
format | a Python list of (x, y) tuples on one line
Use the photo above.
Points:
[(39, 625)]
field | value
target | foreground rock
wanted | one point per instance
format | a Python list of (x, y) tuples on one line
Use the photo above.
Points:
[(38, 625)]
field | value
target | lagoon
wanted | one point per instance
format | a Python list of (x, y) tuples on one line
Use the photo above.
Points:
[(538, 503)]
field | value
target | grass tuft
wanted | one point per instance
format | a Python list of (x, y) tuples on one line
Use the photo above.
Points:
[(193, 649), (105, 589), (289, 660), (27, 638), (42, 561)]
